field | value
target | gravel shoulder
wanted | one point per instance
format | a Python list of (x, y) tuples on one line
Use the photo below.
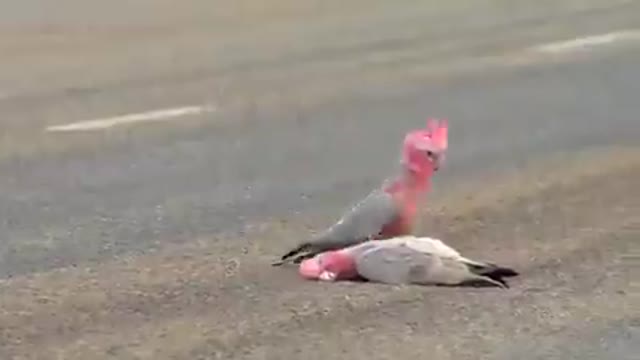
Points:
[(569, 230)]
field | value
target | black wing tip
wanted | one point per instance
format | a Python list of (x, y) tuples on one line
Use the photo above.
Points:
[(295, 251), (504, 272), (496, 274), (500, 273), (291, 253), (294, 256), (494, 270), (284, 259)]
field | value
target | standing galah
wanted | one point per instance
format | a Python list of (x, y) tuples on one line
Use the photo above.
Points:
[(404, 260), (392, 209)]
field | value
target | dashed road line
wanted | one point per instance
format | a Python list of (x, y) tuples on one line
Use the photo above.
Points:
[(522, 57), (587, 42), (149, 116)]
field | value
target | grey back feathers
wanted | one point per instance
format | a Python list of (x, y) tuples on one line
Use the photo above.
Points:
[(362, 222)]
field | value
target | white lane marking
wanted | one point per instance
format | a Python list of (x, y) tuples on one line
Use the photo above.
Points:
[(519, 58), (587, 42), (156, 115)]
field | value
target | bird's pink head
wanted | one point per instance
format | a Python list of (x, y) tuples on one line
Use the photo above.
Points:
[(423, 150), (329, 266)]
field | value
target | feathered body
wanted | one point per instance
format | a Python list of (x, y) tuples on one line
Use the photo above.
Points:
[(404, 260), (390, 210)]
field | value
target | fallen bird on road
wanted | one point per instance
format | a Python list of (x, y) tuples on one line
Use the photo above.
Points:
[(404, 260), (390, 210)]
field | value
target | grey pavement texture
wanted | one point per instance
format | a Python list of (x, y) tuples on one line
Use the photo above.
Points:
[(152, 241)]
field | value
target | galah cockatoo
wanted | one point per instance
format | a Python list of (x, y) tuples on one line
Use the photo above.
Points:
[(404, 260), (390, 210)]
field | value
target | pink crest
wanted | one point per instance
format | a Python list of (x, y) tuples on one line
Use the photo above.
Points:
[(439, 130), (417, 144), (433, 138)]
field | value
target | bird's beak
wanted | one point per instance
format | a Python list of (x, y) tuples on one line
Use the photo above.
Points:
[(327, 276), (437, 159)]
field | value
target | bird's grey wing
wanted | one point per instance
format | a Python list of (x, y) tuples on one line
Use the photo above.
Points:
[(392, 264), (362, 222), (441, 249), (405, 265), (432, 246)]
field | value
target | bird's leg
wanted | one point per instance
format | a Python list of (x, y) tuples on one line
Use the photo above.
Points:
[(496, 282)]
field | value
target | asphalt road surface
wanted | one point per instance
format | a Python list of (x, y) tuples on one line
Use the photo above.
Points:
[(205, 143)]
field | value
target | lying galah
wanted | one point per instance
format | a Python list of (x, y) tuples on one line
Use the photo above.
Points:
[(390, 210), (404, 260)]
